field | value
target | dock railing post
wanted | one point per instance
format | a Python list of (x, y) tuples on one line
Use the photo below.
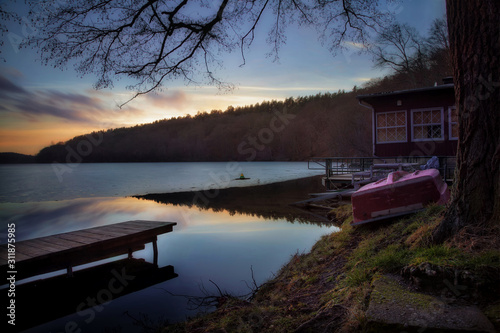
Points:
[(328, 171), (130, 252), (155, 252)]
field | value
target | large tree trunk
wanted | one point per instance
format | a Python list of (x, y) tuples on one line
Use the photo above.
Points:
[(474, 30)]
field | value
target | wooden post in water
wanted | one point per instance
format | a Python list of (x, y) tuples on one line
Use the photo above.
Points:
[(155, 252), (130, 252)]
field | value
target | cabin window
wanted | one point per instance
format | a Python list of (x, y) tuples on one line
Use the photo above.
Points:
[(427, 124), (391, 126), (453, 121)]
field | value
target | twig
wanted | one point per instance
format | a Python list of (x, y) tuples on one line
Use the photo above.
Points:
[(209, 300)]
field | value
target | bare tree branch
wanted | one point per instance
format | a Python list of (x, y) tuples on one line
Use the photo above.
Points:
[(401, 48), (251, 32), (155, 41)]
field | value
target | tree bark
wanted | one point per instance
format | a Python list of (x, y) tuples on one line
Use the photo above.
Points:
[(474, 30)]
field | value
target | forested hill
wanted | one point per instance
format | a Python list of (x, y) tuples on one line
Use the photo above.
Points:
[(15, 158), (330, 124), (294, 129)]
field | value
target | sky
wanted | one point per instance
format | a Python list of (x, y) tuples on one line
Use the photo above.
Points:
[(42, 105)]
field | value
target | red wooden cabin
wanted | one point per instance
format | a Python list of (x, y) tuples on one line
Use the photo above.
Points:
[(416, 122)]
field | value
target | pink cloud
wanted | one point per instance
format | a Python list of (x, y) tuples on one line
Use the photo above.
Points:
[(176, 99)]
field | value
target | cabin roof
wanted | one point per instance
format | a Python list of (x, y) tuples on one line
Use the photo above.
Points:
[(407, 91)]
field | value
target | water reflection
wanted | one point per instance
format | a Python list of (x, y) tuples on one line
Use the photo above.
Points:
[(86, 293), (272, 201), (219, 245), (38, 219)]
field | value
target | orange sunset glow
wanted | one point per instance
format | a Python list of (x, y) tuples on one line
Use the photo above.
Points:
[(41, 105)]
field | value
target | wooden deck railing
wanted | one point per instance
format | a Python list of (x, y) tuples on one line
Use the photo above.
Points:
[(338, 169)]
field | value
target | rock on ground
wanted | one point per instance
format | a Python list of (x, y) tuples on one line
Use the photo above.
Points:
[(394, 308)]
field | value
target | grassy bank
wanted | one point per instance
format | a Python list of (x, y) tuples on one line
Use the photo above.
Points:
[(330, 288)]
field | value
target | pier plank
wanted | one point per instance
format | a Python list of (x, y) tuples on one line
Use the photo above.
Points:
[(4, 254), (49, 246), (29, 250), (132, 228), (59, 241), (49, 253), (122, 229), (141, 224), (94, 235), (110, 233), (78, 238)]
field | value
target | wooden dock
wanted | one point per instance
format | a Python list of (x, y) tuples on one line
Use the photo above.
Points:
[(67, 250)]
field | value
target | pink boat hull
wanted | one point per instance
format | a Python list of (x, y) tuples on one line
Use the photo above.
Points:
[(400, 193)]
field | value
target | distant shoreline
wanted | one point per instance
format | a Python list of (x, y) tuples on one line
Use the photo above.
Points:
[(15, 158)]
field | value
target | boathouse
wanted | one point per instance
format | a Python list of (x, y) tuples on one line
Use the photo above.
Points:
[(416, 122), (409, 127)]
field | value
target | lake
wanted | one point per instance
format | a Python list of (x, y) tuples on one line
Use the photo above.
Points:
[(223, 244)]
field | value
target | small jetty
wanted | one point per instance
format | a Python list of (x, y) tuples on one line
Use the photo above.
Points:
[(342, 172), (67, 250)]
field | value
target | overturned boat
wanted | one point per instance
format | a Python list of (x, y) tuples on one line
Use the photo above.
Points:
[(399, 194)]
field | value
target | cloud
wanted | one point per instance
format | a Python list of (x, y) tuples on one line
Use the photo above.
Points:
[(75, 99), (7, 87), (176, 99), (75, 107), (12, 72), (363, 79), (354, 44)]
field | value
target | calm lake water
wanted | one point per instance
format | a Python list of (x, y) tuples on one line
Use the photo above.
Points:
[(222, 246)]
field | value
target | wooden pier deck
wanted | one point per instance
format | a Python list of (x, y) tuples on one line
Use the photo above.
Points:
[(67, 250)]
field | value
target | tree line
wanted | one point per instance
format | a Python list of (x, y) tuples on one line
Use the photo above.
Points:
[(295, 129)]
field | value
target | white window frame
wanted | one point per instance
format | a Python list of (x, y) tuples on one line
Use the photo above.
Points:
[(441, 109), (450, 124), (405, 126)]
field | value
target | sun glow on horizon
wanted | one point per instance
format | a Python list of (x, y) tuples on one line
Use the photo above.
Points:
[(29, 127)]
